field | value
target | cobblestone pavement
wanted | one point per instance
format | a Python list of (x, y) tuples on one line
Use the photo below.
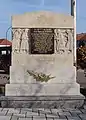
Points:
[(42, 114)]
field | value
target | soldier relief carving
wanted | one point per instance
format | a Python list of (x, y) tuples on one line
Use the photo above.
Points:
[(21, 40), (63, 40)]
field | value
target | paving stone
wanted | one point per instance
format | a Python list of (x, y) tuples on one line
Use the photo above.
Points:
[(41, 109), (18, 115), (35, 109), (62, 117), (50, 119), (74, 114), (83, 116), (52, 116), (67, 110), (5, 117), (83, 110), (28, 114), (58, 110), (26, 109), (85, 107), (2, 113), (25, 119), (73, 118), (41, 112), (40, 118), (75, 111), (47, 110), (23, 112), (18, 109), (43, 115), (13, 111), (3, 109), (65, 113), (14, 118), (32, 113), (9, 114), (55, 111)]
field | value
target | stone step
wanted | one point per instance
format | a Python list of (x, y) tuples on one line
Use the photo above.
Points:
[(69, 101)]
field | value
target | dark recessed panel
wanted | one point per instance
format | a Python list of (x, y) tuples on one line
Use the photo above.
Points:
[(42, 41)]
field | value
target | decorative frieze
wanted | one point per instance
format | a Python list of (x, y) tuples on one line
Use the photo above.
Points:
[(43, 40)]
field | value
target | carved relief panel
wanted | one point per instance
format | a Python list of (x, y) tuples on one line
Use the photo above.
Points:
[(43, 40), (21, 40), (63, 40)]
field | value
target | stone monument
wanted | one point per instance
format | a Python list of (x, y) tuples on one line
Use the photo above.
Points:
[(43, 59)]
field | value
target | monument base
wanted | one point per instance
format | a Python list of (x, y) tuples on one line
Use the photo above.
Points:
[(40, 89), (40, 95), (62, 101)]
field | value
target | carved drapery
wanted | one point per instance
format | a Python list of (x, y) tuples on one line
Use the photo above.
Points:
[(63, 40), (21, 38)]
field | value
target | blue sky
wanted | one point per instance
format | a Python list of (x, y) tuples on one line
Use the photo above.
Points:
[(12, 7)]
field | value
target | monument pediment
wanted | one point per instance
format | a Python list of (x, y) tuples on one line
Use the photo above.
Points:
[(44, 19)]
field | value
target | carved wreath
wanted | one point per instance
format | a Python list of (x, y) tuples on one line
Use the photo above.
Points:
[(40, 76)]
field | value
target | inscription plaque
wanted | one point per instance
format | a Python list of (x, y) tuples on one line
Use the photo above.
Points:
[(42, 41)]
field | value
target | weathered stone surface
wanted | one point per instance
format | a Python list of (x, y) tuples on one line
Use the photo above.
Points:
[(40, 89), (34, 74), (57, 66), (44, 102), (42, 19), (5, 117)]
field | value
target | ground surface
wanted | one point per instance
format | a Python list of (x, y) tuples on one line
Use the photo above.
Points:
[(81, 79), (42, 114)]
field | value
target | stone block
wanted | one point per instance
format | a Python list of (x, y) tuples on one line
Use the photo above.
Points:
[(25, 118), (5, 117), (73, 118), (60, 102), (39, 118), (19, 115), (52, 116), (29, 114), (83, 116), (41, 89), (42, 19), (14, 118), (65, 113), (14, 111)]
